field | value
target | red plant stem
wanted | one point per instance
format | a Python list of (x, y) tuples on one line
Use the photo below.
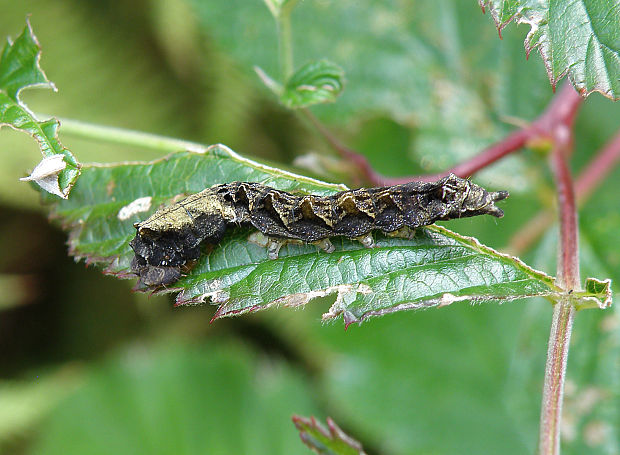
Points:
[(511, 143), (345, 152), (568, 278), (555, 371), (562, 109), (568, 261), (587, 182), (557, 120), (563, 311)]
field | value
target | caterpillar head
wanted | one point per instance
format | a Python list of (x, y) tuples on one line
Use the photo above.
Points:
[(463, 198)]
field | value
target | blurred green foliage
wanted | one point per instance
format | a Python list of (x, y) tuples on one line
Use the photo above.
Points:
[(428, 83)]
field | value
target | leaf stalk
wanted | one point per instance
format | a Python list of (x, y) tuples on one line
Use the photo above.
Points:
[(285, 40), (123, 136)]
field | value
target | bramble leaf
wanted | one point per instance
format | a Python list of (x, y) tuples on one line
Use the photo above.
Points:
[(19, 69), (326, 442), (578, 38), (436, 268)]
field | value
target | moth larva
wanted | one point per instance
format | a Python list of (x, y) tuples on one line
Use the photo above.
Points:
[(171, 237)]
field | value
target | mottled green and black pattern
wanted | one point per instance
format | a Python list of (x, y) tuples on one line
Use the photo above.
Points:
[(172, 236)]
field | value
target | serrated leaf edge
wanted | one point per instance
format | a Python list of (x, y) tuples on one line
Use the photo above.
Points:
[(47, 83), (529, 47), (344, 291), (475, 243), (217, 148)]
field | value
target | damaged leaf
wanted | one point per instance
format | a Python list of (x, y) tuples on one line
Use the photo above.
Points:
[(435, 268), (109, 199), (332, 441), (579, 39), (19, 69)]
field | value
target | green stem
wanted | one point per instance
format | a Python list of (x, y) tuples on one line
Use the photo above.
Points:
[(285, 40), (123, 136)]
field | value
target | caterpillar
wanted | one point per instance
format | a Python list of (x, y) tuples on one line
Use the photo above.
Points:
[(170, 239)]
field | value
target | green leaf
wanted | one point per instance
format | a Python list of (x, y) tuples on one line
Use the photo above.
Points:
[(578, 38), (436, 268), (19, 69), (314, 83), (324, 442)]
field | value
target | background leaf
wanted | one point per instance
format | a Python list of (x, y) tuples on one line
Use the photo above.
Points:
[(581, 39), (397, 66), (314, 83), (19, 69), (23, 405), (200, 391)]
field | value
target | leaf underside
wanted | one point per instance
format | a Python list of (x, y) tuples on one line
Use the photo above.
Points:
[(580, 39), (436, 268), (19, 69)]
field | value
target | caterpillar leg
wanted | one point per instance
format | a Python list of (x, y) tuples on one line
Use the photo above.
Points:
[(273, 244), (404, 232), (273, 247), (325, 245), (366, 240)]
